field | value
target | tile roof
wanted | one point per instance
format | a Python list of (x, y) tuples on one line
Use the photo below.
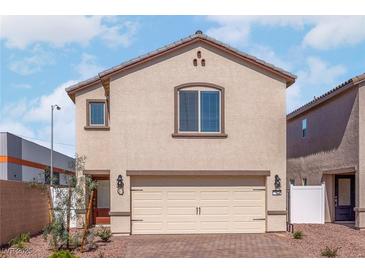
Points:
[(197, 35), (329, 94)]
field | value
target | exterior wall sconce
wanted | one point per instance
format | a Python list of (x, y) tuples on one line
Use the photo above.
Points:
[(120, 185), (277, 185)]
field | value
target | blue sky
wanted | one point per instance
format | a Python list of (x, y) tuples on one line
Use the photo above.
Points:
[(41, 55)]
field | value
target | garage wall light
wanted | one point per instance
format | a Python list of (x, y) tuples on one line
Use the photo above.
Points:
[(277, 185), (120, 185)]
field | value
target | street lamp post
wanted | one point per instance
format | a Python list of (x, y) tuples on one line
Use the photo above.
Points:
[(52, 108)]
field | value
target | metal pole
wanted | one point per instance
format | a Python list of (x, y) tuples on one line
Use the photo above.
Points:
[(51, 174)]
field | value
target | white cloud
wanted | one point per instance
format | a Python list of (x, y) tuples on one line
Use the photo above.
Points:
[(88, 66), (321, 72), (236, 29), (31, 64), (22, 86), (333, 31), (23, 31), (313, 80), (32, 119), (324, 31)]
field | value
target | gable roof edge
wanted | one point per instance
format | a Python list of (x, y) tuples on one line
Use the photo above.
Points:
[(289, 77)]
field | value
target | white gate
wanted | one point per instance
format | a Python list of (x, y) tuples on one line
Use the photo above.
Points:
[(307, 204)]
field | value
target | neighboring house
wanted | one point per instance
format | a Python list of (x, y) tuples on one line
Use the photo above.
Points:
[(22, 160), (326, 144), (189, 138)]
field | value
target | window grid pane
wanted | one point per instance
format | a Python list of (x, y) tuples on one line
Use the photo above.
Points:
[(209, 111), (188, 108), (97, 113)]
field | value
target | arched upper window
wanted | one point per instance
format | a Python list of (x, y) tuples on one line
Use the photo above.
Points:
[(199, 110)]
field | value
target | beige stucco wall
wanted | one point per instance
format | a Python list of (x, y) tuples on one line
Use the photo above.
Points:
[(361, 171), (142, 121), (331, 143)]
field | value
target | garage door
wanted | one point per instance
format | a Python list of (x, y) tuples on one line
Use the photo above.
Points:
[(198, 205)]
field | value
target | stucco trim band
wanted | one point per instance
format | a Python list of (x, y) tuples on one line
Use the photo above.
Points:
[(198, 172), (339, 170), (359, 209), (119, 213), (96, 172)]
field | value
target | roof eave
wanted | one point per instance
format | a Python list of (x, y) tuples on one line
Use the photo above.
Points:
[(332, 93)]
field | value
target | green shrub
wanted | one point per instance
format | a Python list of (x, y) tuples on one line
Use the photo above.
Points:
[(104, 233), (329, 252), (20, 240), (62, 254), (298, 235)]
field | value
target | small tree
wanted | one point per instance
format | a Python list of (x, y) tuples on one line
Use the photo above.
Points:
[(72, 198)]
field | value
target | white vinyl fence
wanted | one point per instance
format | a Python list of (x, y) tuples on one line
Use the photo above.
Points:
[(57, 194), (307, 204)]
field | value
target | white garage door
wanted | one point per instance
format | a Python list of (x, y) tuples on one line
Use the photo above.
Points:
[(178, 206)]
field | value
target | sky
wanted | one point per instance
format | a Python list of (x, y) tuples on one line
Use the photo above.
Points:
[(41, 55)]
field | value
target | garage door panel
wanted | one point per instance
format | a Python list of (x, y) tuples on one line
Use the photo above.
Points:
[(148, 203), (214, 226), (249, 203), (191, 211), (246, 218), (211, 203), (214, 195), (147, 211), (255, 209), (252, 226), (147, 195), (182, 195), (214, 210), (147, 227), (178, 226), (173, 209)]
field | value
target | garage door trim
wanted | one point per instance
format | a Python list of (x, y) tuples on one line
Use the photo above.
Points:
[(138, 189)]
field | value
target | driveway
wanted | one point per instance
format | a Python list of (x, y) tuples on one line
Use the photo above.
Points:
[(348, 241), (209, 245)]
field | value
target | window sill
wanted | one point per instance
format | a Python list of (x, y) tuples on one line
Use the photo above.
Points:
[(199, 135), (97, 128)]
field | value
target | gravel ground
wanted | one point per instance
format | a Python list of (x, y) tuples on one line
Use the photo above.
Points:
[(351, 243)]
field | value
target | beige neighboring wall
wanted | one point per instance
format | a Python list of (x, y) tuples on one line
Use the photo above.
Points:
[(331, 141), (142, 123)]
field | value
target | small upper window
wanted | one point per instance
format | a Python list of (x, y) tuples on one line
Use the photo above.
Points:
[(97, 113), (304, 182), (200, 110), (304, 127)]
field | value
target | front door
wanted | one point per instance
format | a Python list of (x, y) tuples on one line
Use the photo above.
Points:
[(345, 197)]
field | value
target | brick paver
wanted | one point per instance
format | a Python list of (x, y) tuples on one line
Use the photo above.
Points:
[(209, 245)]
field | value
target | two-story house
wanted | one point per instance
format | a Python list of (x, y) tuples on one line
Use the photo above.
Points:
[(326, 144), (190, 138)]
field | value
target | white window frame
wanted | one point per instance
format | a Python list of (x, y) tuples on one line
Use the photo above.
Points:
[(97, 125), (199, 90), (304, 129)]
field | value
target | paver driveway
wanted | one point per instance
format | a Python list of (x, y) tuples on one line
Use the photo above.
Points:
[(208, 245)]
